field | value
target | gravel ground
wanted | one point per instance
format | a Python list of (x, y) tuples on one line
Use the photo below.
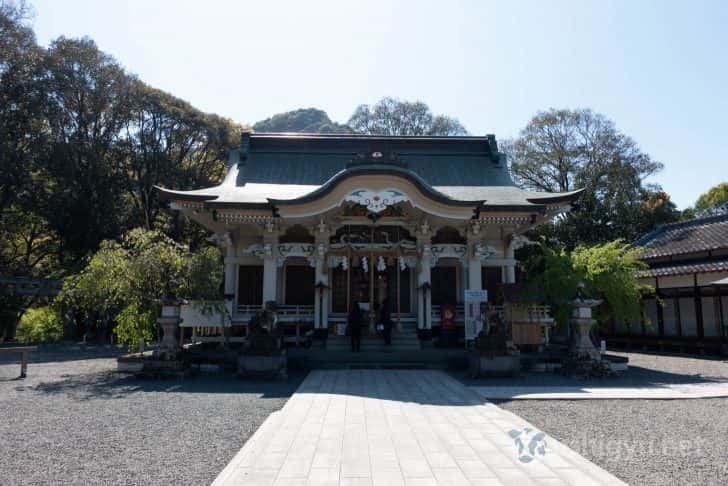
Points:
[(644, 370), (73, 421), (643, 442)]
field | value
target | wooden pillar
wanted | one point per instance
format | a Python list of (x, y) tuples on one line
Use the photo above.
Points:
[(722, 330), (348, 280), (475, 268), (424, 296), (420, 308), (372, 316), (678, 320), (426, 278), (698, 307), (318, 298), (660, 312), (398, 269), (270, 279), (321, 277), (270, 264), (510, 268), (231, 274)]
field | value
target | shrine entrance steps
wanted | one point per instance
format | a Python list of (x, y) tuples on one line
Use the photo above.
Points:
[(405, 340), (425, 358)]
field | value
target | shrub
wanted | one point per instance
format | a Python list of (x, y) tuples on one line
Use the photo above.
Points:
[(610, 271), (41, 324), (133, 324), (122, 282)]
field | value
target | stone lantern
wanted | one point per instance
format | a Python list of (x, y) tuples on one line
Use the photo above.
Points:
[(169, 319), (582, 346)]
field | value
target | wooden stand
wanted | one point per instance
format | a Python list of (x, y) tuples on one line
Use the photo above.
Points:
[(23, 351)]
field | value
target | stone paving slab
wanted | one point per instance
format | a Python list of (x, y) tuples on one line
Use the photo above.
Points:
[(666, 392), (408, 427)]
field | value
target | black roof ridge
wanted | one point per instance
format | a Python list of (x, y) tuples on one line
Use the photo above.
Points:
[(680, 224), (361, 136)]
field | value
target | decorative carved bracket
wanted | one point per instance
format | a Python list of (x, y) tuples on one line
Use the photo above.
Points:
[(223, 240), (483, 252), (376, 201), (257, 250), (283, 251), (376, 157), (448, 251), (519, 241)]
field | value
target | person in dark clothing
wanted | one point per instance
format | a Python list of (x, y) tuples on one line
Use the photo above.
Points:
[(385, 317), (354, 323)]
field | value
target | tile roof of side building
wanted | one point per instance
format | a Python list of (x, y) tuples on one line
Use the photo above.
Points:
[(278, 168), (685, 237)]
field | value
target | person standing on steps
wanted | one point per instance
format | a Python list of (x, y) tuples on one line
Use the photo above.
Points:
[(354, 322)]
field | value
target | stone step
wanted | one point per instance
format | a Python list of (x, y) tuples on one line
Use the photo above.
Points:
[(375, 347), (376, 340), (386, 359), (374, 344)]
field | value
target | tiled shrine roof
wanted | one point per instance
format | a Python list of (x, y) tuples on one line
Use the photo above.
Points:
[(270, 169), (694, 236), (689, 268)]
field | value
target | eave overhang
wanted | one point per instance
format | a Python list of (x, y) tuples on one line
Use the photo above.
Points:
[(555, 198), (192, 196)]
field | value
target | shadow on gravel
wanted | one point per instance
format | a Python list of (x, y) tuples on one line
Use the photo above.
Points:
[(636, 376), (61, 352), (110, 385)]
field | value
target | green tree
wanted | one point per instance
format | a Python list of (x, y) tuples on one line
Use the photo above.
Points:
[(90, 98), (713, 199), (304, 120), (82, 145), (165, 141), (609, 271), (28, 248), (390, 116), (27, 241), (563, 150), (41, 324), (123, 282), (22, 105), (552, 278)]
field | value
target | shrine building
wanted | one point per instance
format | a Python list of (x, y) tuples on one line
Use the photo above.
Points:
[(318, 222)]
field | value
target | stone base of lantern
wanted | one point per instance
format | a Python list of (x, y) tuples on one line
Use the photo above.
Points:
[(153, 365), (582, 366), (273, 364), (481, 365)]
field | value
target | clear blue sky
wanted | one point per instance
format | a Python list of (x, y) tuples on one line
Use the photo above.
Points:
[(659, 69)]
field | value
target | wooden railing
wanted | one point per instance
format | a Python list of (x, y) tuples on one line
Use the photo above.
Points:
[(540, 313), (286, 313)]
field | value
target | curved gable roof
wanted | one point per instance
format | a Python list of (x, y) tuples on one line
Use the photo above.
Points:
[(304, 159), (279, 169)]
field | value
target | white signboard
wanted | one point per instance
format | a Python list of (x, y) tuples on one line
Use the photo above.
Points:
[(473, 323)]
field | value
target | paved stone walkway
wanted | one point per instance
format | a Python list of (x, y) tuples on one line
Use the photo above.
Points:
[(664, 392), (413, 427)]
